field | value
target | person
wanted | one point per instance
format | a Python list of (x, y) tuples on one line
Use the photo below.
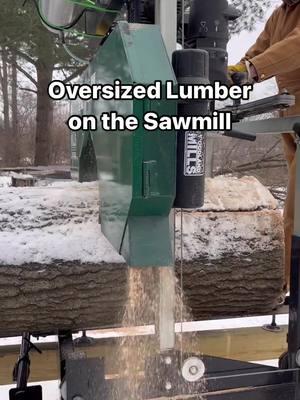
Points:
[(276, 53)]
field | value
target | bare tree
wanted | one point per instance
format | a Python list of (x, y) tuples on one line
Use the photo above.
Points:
[(4, 88)]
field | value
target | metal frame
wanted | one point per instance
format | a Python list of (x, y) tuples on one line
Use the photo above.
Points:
[(81, 377), (270, 126)]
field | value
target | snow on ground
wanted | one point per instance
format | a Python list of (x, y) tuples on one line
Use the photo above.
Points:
[(20, 176), (50, 390), (5, 181)]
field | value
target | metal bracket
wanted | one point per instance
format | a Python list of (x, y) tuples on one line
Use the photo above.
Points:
[(262, 106), (81, 377), (21, 373), (30, 393), (271, 126)]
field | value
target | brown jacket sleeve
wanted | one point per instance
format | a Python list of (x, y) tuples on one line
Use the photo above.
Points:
[(263, 41), (280, 58)]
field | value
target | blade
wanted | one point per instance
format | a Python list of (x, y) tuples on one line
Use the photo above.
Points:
[(166, 308)]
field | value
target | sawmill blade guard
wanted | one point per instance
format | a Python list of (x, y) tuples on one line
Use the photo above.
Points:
[(141, 173), (136, 170)]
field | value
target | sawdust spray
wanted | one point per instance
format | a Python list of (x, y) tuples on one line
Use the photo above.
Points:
[(134, 352)]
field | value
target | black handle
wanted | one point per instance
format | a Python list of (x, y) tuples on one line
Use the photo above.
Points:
[(296, 128), (239, 78), (240, 135)]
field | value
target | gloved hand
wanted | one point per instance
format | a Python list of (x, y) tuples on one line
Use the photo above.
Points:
[(242, 73), (238, 74)]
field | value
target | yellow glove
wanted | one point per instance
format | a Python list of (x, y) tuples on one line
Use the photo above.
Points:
[(238, 74), (237, 68)]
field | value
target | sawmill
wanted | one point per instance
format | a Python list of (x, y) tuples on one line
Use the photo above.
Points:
[(177, 247)]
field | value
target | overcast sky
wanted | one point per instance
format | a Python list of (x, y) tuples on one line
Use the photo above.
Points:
[(239, 44)]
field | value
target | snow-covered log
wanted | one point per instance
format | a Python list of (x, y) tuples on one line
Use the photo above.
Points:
[(57, 271), (233, 250)]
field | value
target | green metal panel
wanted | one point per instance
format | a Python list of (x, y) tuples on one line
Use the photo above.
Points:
[(137, 170)]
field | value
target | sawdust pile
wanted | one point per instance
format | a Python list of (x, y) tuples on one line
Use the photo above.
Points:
[(134, 353)]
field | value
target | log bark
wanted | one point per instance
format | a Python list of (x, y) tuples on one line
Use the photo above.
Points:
[(247, 277), (47, 298), (232, 258)]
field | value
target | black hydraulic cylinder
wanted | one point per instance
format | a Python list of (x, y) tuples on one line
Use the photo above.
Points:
[(209, 30), (191, 66)]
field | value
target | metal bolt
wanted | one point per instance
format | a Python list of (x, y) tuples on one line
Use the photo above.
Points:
[(168, 386), (168, 360), (194, 370), (273, 327)]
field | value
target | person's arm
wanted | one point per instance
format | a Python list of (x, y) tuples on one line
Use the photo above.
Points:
[(261, 45), (280, 58), (263, 41)]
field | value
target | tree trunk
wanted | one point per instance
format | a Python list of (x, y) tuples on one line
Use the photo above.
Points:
[(44, 114), (9, 150), (4, 87), (5, 101), (13, 143), (232, 257)]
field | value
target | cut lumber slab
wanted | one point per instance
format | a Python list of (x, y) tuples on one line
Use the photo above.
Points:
[(57, 271)]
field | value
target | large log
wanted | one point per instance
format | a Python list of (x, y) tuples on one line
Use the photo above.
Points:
[(244, 275), (233, 250), (57, 271)]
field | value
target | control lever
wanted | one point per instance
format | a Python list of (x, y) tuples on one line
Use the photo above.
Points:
[(240, 135), (239, 78), (269, 104)]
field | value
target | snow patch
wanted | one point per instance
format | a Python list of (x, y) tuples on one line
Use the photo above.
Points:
[(59, 222), (5, 181), (214, 235), (55, 222), (233, 194), (20, 176)]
